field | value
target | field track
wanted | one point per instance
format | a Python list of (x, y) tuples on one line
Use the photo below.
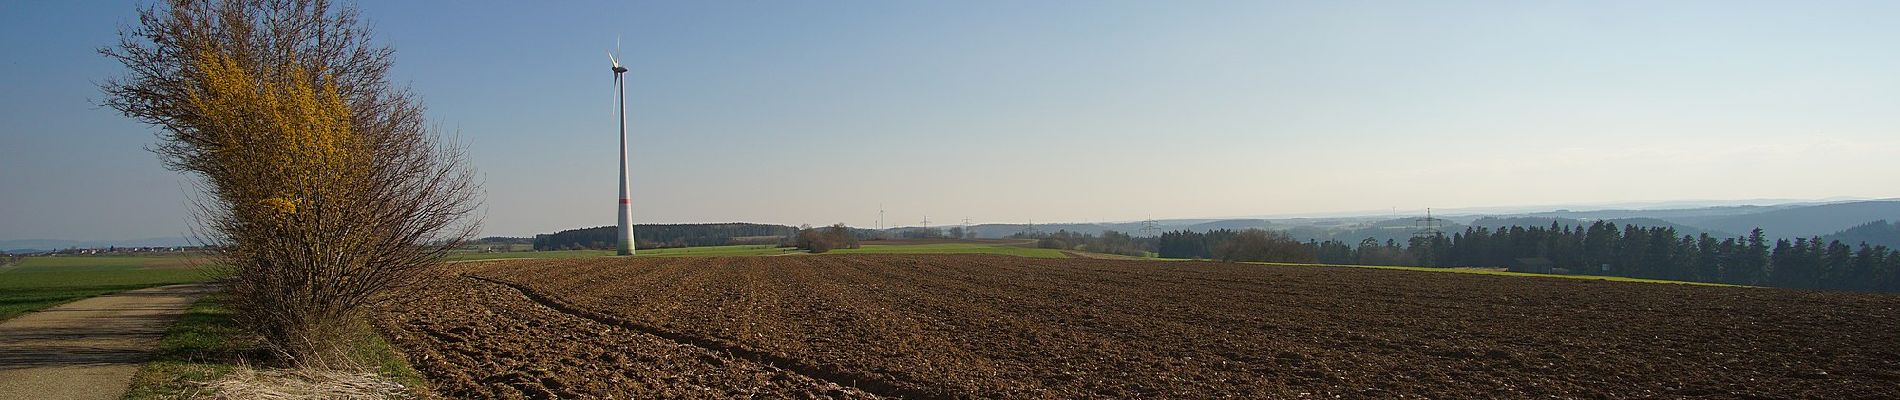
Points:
[(973, 326)]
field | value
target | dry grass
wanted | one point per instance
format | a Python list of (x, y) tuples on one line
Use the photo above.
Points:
[(302, 383)]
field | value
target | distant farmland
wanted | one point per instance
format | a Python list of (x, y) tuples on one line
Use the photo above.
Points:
[(40, 282), (987, 326), (1025, 248)]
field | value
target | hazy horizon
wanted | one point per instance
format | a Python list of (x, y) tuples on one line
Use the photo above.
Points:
[(1002, 112), (1372, 214)]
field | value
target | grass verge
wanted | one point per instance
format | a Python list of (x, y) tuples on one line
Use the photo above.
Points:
[(205, 345), (388, 362), (202, 346)]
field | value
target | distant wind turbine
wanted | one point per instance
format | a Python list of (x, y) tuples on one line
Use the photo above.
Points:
[(625, 238)]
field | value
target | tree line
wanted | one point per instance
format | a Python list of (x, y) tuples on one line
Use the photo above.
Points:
[(819, 240), (1640, 252), (1110, 242), (649, 236), (1232, 245)]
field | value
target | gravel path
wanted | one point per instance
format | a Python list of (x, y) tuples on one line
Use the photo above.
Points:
[(87, 349)]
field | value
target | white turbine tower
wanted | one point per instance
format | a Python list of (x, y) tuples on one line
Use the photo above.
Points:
[(625, 239)]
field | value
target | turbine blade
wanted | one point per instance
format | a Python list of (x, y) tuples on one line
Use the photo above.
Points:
[(610, 57)]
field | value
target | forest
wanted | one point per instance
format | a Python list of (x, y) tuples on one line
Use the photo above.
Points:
[(1600, 249), (1879, 233)]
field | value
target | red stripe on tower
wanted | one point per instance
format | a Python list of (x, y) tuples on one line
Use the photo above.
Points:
[(625, 201)]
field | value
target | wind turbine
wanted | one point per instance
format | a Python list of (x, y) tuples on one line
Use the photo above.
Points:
[(625, 238)]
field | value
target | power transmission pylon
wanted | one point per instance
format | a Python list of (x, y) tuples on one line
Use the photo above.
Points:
[(1427, 226)]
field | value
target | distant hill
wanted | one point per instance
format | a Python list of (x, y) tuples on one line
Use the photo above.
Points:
[(1879, 233), (1398, 230), (1231, 224), (995, 231), (1790, 220), (1674, 214), (1777, 221), (1804, 221), (1497, 222)]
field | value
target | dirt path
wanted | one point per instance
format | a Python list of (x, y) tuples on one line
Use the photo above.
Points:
[(87, 349)]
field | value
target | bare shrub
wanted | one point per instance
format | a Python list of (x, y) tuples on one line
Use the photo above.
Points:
[(325, 190)]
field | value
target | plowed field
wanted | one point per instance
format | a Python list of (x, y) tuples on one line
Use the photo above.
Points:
[(969, 326)]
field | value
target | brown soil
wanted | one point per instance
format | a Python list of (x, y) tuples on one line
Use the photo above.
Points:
[(476, 339), (972, 326)]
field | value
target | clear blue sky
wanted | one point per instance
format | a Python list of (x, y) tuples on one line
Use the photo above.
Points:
[(1003, 111)]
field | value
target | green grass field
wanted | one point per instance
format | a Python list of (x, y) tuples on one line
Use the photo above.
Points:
[(39, 282), (97, 263), (988, 247), (529, 254), (1007, 249), (1489, 271), (711, 251)]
